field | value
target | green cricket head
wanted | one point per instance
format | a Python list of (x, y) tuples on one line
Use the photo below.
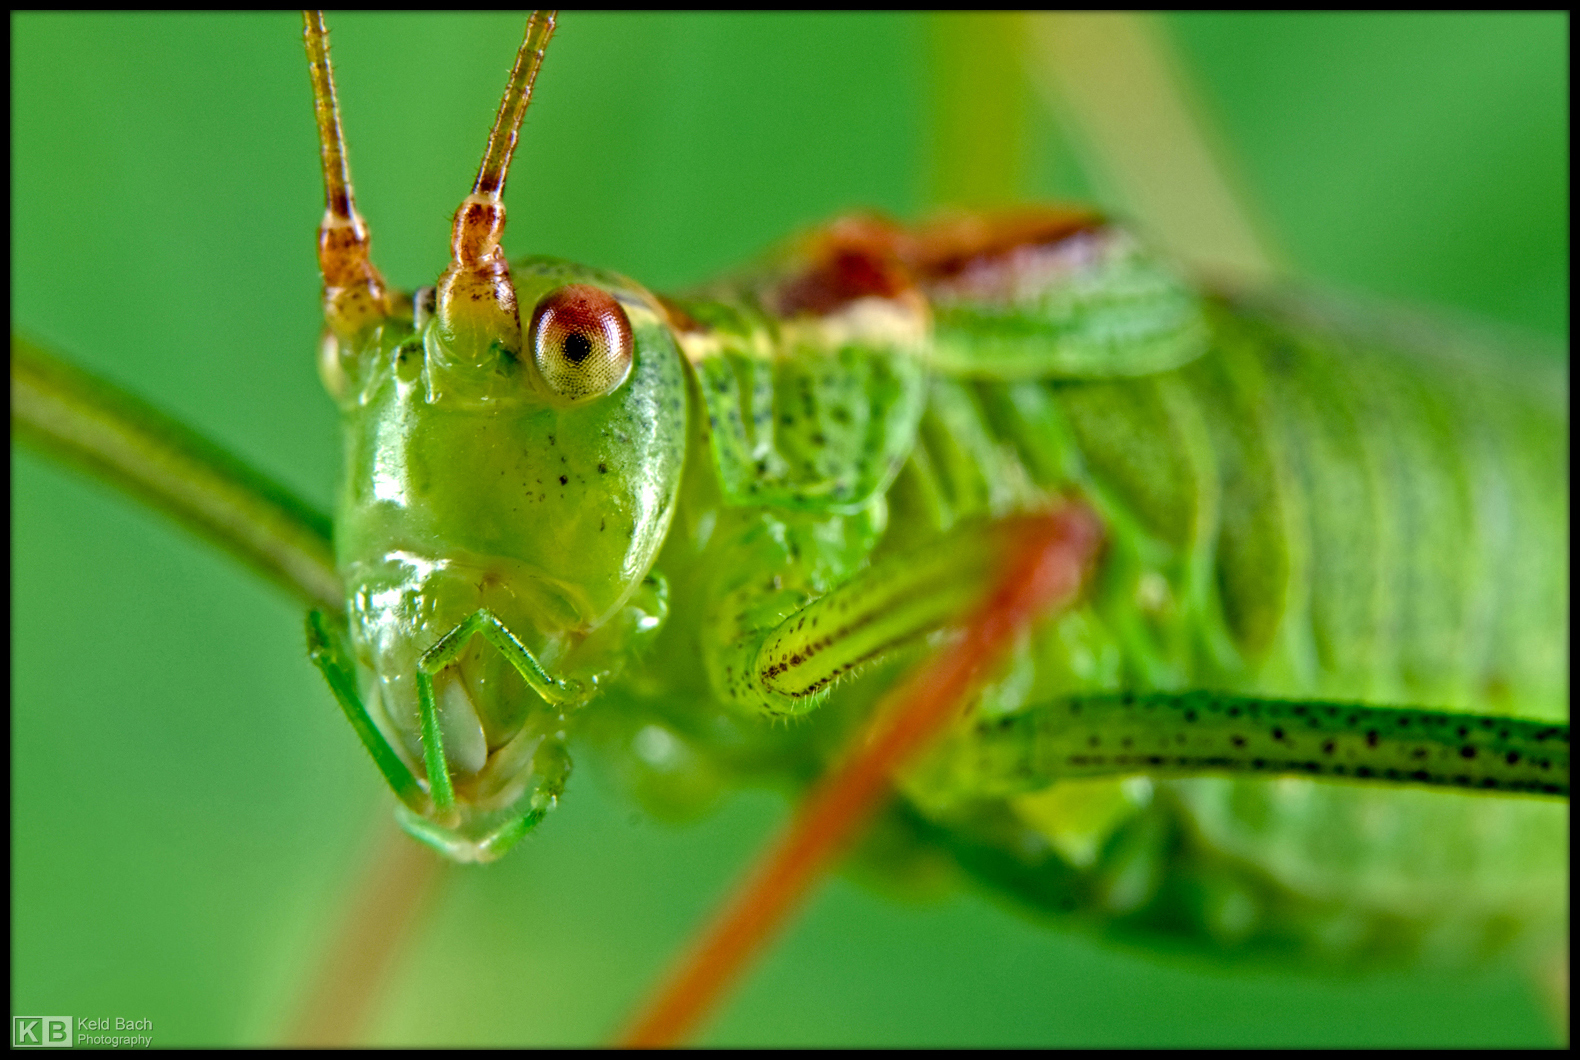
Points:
[(532, 485), (513, 446)]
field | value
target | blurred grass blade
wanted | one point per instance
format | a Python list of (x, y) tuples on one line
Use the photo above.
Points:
[(1123, 97), (979, 150), (135, 447)]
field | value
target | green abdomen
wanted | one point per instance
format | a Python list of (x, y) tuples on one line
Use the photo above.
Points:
[(1294, 514), (1301, 516)]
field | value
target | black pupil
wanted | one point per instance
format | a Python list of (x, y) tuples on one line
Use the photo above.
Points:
[(577, 346)]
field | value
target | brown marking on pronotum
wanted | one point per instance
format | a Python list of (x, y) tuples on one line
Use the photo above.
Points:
[(945, 249), (853, 258), (868, 256)]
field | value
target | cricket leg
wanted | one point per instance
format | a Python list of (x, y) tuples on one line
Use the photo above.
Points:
[(1196, 733), (395, 882), (785, 666), (1041, 567)]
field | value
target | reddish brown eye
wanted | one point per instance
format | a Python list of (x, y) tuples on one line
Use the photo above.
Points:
[(581, 340)]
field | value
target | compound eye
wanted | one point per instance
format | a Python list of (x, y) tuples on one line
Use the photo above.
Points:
[(581, 340)]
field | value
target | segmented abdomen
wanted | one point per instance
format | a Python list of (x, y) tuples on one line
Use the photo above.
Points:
[(1294, 510), (1300, 515), (1294, 513)]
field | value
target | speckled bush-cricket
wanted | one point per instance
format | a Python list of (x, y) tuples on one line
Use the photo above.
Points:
[(650, 741)]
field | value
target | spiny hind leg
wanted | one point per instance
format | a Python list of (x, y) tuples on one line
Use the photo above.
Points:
[(1197, 733)]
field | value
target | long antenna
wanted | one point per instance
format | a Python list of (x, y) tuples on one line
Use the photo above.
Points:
[(476, 303), (518, 93), (355, 296)]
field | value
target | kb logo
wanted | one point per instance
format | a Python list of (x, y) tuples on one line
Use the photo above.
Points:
[(38, 1032)]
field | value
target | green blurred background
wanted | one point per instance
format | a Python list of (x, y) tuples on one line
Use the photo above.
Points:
[(188, 809)]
